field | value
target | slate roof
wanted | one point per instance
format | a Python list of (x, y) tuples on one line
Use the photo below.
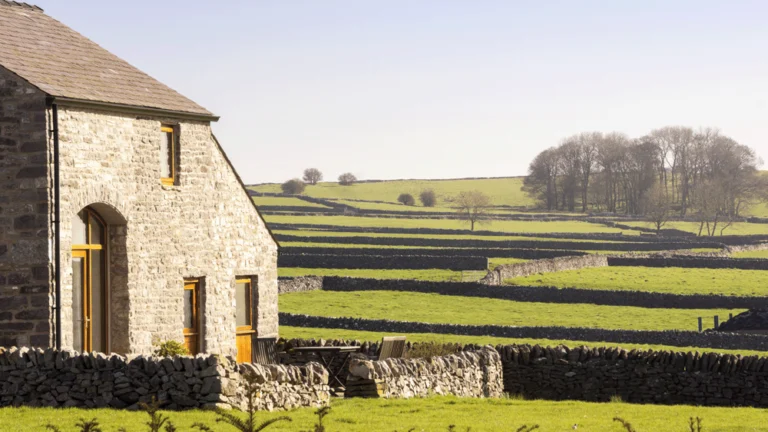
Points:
[(64, 63)]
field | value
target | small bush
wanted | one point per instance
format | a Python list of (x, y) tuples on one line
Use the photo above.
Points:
[(293, 187), (431, 349), (171, 348), (406, 199), (428, 198), (347, 179)]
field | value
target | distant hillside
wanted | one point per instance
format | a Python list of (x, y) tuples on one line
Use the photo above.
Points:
[(506, 191)]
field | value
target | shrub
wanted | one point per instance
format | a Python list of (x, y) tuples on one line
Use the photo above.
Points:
[(428, 198), (347, 179), (312, 175), (431, 349), (406, 199), (293, 187), (171, 348)]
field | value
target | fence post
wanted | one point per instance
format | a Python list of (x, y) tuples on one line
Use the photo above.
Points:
[(717, 322), (701, 326), (730, 315)]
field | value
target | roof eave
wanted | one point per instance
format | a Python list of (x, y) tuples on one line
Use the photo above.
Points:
[(132, 109)]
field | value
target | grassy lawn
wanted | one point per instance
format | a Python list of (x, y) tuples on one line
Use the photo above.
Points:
[(738, 228), (321, 333), (427, 414), (498, 225), (426, 275), (435, 308), (751, 254), (320, 233), (502, 191), (284, 201), (663, 280)]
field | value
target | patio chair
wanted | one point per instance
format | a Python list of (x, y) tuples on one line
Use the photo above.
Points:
[(392, 347)]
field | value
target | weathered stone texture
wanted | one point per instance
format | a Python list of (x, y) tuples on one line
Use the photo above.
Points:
[(204, 227), (467, 374), (37, 377), (507, 271), (24, 221)]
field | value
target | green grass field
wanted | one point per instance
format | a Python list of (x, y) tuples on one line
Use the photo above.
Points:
[(738, 228), (671, 280), (497, 225), (289, 332), (435, 308), (751, 254), (425, 275), (426, 414), (318, 233), (503, 191)]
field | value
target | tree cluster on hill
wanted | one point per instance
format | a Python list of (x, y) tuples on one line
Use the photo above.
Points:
[(698, 173)]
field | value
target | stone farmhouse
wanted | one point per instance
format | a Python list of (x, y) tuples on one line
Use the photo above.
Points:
[(122, 222)]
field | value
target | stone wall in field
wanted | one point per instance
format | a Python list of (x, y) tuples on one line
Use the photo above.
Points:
[(504, 244), (299, 284), (464, 374), (498, 275), (37, 377), (388, 262), (489, 253), (659, 377), (690, 262), (545, 294), (681, 338)]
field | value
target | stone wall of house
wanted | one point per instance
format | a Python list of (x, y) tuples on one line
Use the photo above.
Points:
[(660, 377), (37, 377), (466, 374), (24, 214), (508, 271), (205, 227)]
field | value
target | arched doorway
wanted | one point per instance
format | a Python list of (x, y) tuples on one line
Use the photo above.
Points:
[(89, 282)]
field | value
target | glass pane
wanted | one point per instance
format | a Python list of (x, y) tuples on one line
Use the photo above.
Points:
[(77, 303), (165, 154), (98, 315), (242, 302), (189, 316), (78, 229), (97, 231)]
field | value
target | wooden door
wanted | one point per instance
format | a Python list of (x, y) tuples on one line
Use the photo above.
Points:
[(244, 320), (80, 302), (191, 316)]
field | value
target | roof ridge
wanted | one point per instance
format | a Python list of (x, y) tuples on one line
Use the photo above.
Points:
[(20, 4)]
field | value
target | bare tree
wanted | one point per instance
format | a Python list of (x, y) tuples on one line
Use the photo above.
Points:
[(312, 176), (473, 207), (657, 206), (406, 199), (347, 179), (428, 198)]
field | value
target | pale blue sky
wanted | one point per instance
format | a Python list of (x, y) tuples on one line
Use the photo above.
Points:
[(440, 88)]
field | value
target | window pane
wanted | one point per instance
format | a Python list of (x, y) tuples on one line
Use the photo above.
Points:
[(242, 304), (78, 229), (189, 316), (97, 231), (166, 156), (77, 303), (98, 324)]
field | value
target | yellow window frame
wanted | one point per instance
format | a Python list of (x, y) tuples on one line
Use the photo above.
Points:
[(170, 181), (249, 302)]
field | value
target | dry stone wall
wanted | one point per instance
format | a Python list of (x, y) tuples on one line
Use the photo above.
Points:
[(659, 377), (37, 377), (546, 294), (489, 253), (349, 261), (718, 340), (299, 284), (508, 271), (691, 262), (24, 214), (465, 374)]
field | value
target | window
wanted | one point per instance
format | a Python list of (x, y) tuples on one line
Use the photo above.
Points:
[(89, 282), (168, 155), (191, 315)]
